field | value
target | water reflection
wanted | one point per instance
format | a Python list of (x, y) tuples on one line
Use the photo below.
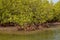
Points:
[(57, 34), (46, 35)]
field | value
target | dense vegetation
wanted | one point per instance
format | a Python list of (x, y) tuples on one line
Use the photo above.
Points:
[(28, 12)]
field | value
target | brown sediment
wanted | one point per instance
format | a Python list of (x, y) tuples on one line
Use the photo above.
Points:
[(28, 28)]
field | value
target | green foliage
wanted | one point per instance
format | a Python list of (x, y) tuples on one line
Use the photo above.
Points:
[(57, 11), (28, 11)]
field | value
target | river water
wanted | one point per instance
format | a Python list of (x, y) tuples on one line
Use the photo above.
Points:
[(40, 35), (45, 35)]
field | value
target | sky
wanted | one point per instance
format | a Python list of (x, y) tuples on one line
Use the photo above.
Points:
[(55, 1)]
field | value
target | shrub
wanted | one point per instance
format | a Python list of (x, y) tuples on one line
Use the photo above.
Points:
[(26, 11), (57, 11)]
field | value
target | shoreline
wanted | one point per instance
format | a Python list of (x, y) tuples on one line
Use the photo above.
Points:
[(29, 32)]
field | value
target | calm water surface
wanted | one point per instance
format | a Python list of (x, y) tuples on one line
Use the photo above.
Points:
[(45, 35)]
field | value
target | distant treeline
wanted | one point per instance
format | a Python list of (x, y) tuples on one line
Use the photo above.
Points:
[(28, 12)]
